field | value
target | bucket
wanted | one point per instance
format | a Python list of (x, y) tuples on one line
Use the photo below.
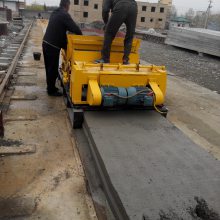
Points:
[(37, 55)]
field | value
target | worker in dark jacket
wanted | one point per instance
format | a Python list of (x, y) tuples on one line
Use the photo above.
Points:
[(54, 39), (123, 11)]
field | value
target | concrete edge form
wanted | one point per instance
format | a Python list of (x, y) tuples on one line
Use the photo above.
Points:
[(111, 194)]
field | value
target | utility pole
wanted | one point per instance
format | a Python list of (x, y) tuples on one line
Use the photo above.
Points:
[(208, 14)]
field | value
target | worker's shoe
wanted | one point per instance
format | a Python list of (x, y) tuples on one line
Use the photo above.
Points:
[(101, 61), (126, 62), (55, 93)]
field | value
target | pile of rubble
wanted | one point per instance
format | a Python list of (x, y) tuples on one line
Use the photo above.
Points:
[(13, 30)]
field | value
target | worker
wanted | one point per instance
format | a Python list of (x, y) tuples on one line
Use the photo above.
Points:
[(123, 11), (54, 39)]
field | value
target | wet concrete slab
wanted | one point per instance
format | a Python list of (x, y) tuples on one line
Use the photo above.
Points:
[(152, 169)]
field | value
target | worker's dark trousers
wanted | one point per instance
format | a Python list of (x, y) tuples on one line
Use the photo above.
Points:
[(124, 12), (51, 61)]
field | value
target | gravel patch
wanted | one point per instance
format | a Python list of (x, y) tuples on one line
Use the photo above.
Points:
[(13, 31), (204, 71)]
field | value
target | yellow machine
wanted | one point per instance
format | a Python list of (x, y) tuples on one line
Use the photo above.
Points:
[(88, 85)]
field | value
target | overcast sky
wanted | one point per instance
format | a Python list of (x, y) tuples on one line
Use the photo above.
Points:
[(181, 5)]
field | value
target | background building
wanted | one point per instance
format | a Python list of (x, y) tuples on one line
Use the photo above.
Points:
[(166, 2), (86, 11), (179, 22), (14, 5), (5, 14), (150, 15)]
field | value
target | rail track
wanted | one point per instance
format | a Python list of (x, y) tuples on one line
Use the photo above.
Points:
[(9, 58)]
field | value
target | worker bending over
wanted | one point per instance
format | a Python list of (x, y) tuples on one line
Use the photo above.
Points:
[(123, 11), (54, 39)]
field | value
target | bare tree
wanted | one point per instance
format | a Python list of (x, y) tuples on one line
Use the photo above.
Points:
[(199, 19), (208, 14), (173, 12), (190, 14)]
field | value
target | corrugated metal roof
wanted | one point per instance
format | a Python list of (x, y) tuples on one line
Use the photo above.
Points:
[(181, 19)]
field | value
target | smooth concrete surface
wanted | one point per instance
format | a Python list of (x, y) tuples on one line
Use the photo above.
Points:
[(197, 39), (195, 110), (153, 167)]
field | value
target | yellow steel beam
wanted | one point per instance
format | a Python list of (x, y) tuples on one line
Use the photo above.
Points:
[(159, 97), (94, 96)]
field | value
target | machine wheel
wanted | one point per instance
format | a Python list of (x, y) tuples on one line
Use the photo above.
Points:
[(76, 117)]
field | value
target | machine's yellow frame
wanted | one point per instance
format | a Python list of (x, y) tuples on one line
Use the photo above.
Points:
[(79, 70)]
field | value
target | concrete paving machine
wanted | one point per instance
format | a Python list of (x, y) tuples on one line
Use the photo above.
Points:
[(90, 86)]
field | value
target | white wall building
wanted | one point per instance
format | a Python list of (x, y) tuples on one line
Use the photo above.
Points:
[(14, 5)]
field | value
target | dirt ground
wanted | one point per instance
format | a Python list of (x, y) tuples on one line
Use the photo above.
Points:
[(204, 71), (49, 183)]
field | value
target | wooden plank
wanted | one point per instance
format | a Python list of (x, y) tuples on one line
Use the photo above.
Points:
[(14, 149), (24, 97)]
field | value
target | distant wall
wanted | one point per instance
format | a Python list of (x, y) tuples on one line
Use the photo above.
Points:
[(33, 14), (178, 24), (6, 14), (10, 5)]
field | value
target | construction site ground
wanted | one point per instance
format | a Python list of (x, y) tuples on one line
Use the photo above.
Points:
[(49, 182)]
